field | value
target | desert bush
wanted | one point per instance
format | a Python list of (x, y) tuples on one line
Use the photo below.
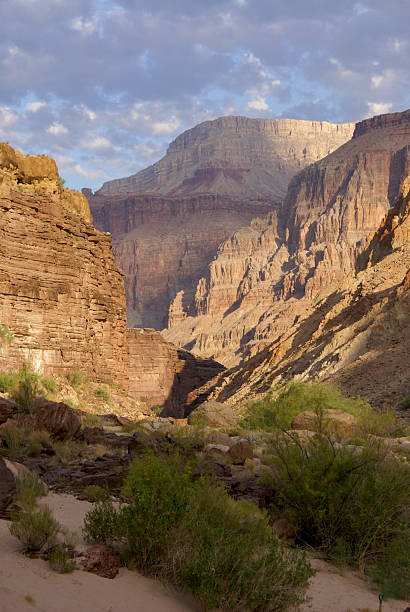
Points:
[(351, 505), (103, 393), (28, 488), (35, 529), (101, 524), (92, 420), (193, 535), (49, 385), (14, 438), (277, 409), (28, 388), (67, 450), (6, 336), (76, 378), (95, 493), (8, 381), (60, 559)]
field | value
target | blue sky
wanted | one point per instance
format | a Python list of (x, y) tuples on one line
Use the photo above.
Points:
[(104, 85)]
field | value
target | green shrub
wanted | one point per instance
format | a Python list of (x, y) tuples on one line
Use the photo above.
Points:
[(28, 388), (14, 438), (34, 448), (60, 560), (28, 488), (35, 529), (95, 493), (277, 409), (49, 384), (193, 535), (8, 381), (76, 378), (351, 504), (103, 393), (101, 524), (6, 336)]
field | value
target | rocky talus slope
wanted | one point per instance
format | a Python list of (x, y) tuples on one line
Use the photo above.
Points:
[(213, 180), (357, 335), (265, 275), (61, 294), (237, 156)]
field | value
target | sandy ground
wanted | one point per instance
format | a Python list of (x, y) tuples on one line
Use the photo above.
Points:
[(27, 584)]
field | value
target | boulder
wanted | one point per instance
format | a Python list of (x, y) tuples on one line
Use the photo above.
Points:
[(101, 560), (61, 421), (218, 437), (240, 451), (218, 451), (215, 414), (334, 421), (7, 409), (285, 528)]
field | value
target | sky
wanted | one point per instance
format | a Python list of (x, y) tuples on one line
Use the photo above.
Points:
[(103, 86)]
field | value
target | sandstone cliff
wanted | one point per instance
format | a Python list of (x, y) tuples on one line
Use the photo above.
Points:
[(165, 243), (163, 375), (267, 274), (358, 335), (237, 156), (61, 295)]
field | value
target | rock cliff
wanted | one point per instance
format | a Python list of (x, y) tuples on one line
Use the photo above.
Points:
[(61, 295), (267, 274), (162, 374), (357, 335), (165, 239), (237, 156)]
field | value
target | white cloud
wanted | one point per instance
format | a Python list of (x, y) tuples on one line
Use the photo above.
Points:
[(258, 103), (164, 128), (85, 26), (379, 108), (89, 173), (57, 129), (7, 117), (33, 107), (98, 143)]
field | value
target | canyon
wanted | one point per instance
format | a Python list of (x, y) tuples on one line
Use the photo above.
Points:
[(168, 221), (62, 299), (265, 275)]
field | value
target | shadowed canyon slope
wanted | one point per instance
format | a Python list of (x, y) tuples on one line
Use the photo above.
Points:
[(358, 335), (265, 275), (213, 180)]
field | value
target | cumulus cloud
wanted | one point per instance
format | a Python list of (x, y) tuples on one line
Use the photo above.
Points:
[(110, 83)]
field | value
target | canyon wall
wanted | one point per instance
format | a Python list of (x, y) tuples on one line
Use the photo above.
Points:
[(213, 180), (357, 336), (265, 276), (61, 295), (237, 156), (162, 374)]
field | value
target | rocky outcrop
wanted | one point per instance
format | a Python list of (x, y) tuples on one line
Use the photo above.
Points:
[(266, 275), (168, 220), (237, 156), (163, 375), (61, 295), (356, 334), (164, 245)]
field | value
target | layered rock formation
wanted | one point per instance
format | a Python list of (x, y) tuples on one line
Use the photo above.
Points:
[(237, 156), (163, 375), (165, 239), (61, 295), (267, 274), (164, 245), (357, 336)]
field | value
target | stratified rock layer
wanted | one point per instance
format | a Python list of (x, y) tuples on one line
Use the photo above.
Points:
[(269, 273), (61, 294), (357, 335), (237, 156), (165, 239), (163, 375)]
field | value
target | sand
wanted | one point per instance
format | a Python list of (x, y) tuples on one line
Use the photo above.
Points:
[(27, 584)]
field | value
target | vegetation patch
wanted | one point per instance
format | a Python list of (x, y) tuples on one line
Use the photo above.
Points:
[(193, 535)]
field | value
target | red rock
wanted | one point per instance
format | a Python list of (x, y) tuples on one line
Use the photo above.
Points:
[(7, 409), (7, 489), (62, 421), (101, 560)]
